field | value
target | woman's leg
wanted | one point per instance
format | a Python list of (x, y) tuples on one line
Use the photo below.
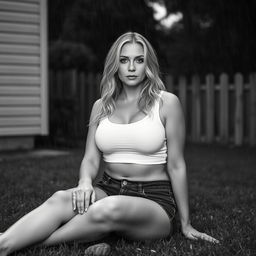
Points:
[(40, 223), (133, 217)]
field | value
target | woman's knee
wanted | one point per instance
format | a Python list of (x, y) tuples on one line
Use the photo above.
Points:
[(107, 210), (61, 196)]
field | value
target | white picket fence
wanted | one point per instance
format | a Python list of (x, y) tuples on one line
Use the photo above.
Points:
[(221, 110)]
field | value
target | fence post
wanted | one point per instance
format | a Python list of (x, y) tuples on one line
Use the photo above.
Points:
[(59, 86), (224, 99), (72, 90), (73, 82), (82, 110), (52, 84), (91, 90), (252, 135), (182, 93), (209, 108), (98, 79), (196, 109), (169, 83), (238, 109)]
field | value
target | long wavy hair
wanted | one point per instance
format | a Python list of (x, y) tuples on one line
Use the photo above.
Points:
[(111, 86)]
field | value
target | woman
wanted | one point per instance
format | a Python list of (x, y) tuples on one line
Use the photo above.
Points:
[(139, 128)]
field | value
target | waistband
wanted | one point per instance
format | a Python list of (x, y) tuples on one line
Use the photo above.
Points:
[(144, 184)]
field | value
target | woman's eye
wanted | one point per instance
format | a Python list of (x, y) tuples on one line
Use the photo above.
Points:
[(141, 60), (123, 60)]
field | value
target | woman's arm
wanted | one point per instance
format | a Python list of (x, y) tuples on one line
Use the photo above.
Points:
[(84, 193), (176, 167), (175, 134), (90, 164)]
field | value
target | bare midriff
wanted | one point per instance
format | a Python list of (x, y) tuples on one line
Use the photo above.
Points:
[(136, 172)]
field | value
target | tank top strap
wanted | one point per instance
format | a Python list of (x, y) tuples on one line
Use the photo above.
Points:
[(156, 108)]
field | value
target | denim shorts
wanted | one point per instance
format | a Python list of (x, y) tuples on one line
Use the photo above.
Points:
[(159, 191)]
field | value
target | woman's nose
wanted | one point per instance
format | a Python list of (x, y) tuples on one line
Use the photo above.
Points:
[(131, 66)]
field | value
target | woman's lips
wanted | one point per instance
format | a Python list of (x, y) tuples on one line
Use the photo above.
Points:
[(131, 77)]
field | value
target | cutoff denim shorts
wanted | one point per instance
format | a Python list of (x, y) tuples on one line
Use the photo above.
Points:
[(158, 191)]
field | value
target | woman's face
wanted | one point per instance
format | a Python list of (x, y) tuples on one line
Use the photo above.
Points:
[(131, 64)]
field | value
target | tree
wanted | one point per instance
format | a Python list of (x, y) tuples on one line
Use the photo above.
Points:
[(214, 36), (98, 23)]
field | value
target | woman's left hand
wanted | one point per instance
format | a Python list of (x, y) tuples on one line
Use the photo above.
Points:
[(191, 233)]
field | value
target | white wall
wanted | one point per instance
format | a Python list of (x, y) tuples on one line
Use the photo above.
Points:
[(23, 68)]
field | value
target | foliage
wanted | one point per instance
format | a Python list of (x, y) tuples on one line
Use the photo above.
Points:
[(67, 55), (214, 36), (97, 23)]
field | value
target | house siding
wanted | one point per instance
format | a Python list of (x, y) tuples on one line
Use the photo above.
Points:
[(23, 68)]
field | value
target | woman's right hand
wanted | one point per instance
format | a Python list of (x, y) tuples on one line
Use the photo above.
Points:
[(82, 196)]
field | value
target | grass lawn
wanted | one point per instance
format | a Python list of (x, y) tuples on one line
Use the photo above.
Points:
[(222, 184)]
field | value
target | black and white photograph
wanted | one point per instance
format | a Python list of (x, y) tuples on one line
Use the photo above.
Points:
[(127, 128)]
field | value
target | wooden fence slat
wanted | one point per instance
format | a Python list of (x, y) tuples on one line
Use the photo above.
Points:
[(73, 93), (169, 83), (51, 83), (91, 89), (73, 83), (224, 99), (182, 93), (196, 109), (98, 79), (252, 132), (82, 97), (59, 86), (239, 109), (84, 88), (209, 108)]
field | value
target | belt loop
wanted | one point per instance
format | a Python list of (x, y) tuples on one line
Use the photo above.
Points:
[(140, 188)]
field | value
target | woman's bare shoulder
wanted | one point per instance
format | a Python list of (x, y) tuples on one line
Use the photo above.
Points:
[(96, 108), (97, 105), (170, 101)]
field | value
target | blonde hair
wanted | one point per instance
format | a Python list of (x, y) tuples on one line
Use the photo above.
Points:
[(111, 86)]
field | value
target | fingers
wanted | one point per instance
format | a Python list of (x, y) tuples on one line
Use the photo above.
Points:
[(205, 237), (93, 197), (209, 238), (78, 201), (74, 200), (80, 195), (81, 200), (87, 199), (191, 236)]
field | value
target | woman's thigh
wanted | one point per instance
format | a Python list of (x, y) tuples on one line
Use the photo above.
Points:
[(64, 197), (134, 217)]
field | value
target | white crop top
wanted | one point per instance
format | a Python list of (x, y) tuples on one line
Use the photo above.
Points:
[(141, 142)]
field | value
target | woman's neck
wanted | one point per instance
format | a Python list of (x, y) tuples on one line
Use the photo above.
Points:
[(130, 94)]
